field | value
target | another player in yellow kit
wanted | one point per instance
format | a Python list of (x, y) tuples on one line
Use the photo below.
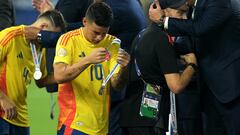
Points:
[(17, 68), (81, 62)]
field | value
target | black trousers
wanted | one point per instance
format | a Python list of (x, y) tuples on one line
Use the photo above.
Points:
[(189, 110)]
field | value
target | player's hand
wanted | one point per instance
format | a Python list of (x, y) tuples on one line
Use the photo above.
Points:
[(189, 58), (31, 32), (123, 58), (97, 56), (155, 12), (42, 5), (175, 13), (9, 107)]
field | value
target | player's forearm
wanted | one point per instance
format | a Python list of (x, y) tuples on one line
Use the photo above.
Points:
[(3, 96), (69, 72), (186, 77), (49, 79), (180, 81), (119, 80)]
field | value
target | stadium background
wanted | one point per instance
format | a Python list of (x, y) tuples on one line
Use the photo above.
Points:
[(38, 99)]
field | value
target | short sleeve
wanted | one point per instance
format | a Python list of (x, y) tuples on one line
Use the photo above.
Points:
[(63, 50)]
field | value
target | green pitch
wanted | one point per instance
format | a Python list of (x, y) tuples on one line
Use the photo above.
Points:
[(39, 111)]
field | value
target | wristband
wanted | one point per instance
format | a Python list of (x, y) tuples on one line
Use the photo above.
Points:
[(193, 65)]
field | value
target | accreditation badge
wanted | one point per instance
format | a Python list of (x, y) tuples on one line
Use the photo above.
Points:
[(150, 103)]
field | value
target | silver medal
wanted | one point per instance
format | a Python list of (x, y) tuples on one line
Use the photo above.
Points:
[(37, 60), (37, 74)]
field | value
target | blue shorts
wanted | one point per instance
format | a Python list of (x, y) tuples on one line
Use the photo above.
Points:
[(10, 129), (68, 131)]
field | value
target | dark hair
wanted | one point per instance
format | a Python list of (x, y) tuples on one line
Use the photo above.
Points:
[(100, 13), (56, 18)]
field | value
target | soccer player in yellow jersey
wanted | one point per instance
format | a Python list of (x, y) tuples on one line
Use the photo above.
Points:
[(80, 65), (16, 71)]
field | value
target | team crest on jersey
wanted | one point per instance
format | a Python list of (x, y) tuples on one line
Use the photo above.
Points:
[(62, 52)]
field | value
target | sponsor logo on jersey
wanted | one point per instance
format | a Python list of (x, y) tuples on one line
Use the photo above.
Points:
[(20, 55)]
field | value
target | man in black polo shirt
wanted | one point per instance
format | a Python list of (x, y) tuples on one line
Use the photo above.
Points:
[(156, 59)]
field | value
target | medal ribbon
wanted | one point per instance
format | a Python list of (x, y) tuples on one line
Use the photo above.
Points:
[(36, 57), (173, 112)]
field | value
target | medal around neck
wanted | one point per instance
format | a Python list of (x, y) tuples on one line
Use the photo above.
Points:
[(37, 74)]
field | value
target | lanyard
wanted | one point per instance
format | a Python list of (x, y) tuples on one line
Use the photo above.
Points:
[(105, 80), (193, 13), (37, 60), (173, 119)]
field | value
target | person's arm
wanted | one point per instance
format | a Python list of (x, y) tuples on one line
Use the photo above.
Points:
[(119, 80), (177, 82), (65, 72), (73, 10), (212, 16), (6, 14), (47, 39), (49, 79), (8, 106), (42, 5), (168, 64)]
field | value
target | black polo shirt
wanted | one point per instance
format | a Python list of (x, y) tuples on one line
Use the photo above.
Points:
[(155, 56)]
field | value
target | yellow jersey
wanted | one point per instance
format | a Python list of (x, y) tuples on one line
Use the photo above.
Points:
[(90, 111), (16, 70)]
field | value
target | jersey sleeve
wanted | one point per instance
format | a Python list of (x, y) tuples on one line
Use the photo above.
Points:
[(3, 50), (63, 50)]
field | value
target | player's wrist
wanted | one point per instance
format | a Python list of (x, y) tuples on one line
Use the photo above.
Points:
[(193, 65), (86, 61)]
